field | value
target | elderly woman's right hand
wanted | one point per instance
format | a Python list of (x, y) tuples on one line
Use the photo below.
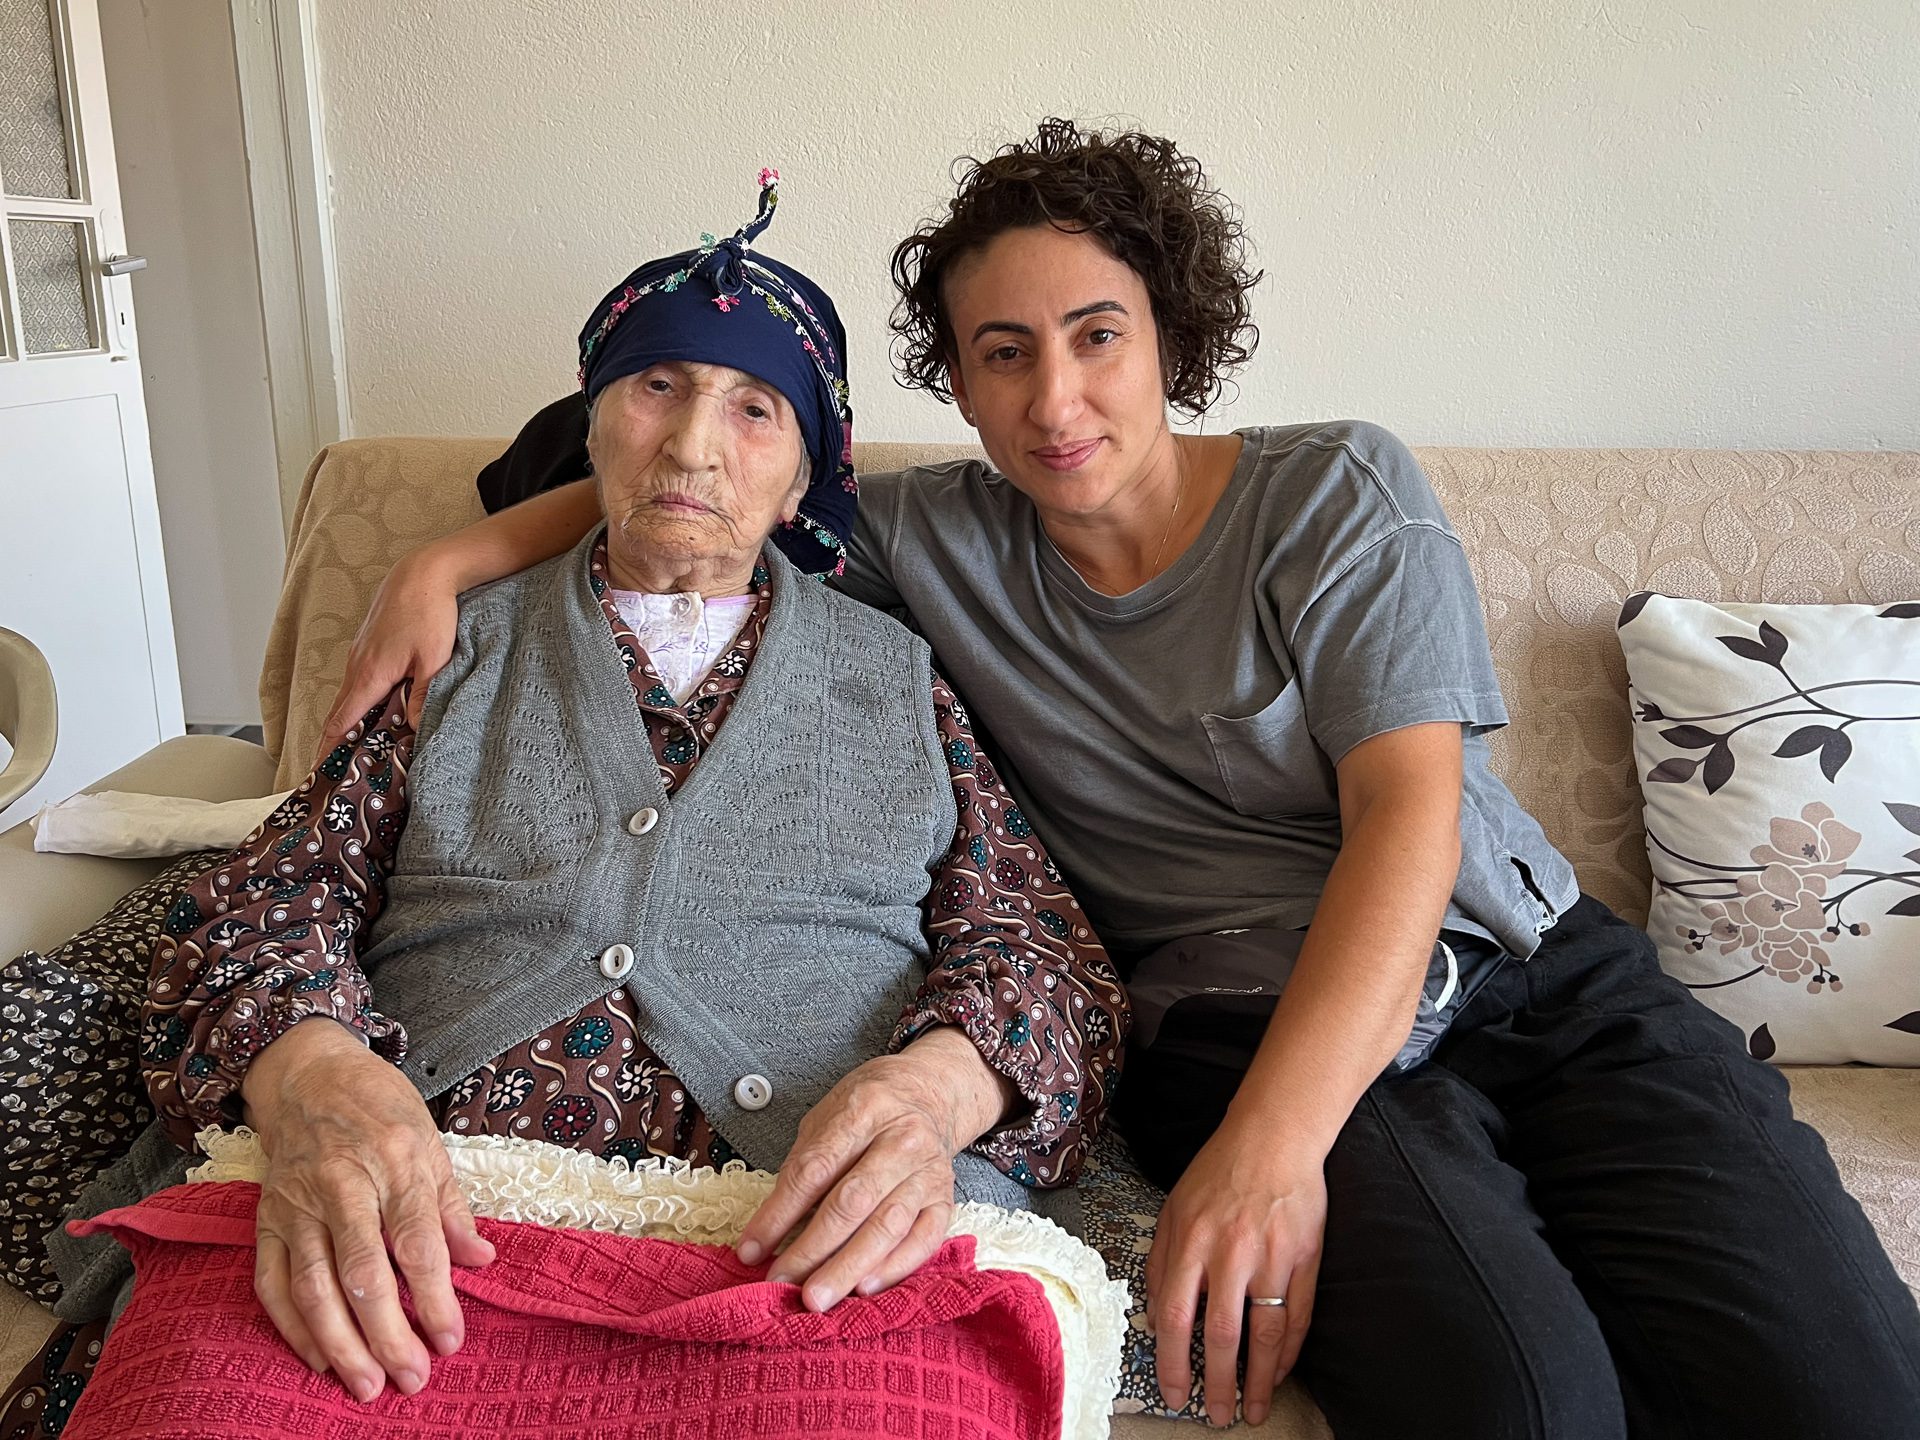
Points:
[(355, 1167), (409, 631)]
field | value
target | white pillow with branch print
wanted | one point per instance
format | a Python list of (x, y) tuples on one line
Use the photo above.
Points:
[(1778, 750)]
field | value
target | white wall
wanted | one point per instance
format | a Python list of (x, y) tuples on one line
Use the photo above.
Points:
[(1617, 222), (175, 97)]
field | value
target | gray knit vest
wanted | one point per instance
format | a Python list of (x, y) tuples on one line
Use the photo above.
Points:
[(773, 909)]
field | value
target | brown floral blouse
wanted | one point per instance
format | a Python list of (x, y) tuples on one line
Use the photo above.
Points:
[(269, 938)]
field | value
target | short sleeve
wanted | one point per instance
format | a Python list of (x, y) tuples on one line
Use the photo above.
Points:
[(868, 577), (1396, 638)]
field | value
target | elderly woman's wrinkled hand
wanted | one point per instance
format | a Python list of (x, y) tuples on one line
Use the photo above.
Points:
[(874, 1165), (355, 1166)]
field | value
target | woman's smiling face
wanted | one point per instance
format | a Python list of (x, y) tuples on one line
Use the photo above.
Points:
[(1057, 363)]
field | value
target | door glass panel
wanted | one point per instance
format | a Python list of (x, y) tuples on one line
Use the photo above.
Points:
[(33, 125), (50, 277)]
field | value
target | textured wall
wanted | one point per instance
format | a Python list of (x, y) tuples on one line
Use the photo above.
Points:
[(1620, 222)]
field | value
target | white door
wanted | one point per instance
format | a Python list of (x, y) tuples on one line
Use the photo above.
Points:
[(80, 564)]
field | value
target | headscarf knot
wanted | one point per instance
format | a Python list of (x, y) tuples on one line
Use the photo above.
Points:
[(761, 317)]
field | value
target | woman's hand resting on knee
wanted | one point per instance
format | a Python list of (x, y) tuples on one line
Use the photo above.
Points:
[(355, 1169), (1246, 1219)]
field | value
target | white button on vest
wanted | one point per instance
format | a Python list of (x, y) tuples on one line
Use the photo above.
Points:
[(753, 1092), (643, 821), (616, 961)]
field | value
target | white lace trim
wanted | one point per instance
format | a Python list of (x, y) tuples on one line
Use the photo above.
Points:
[(683, 634), (505, 1178)]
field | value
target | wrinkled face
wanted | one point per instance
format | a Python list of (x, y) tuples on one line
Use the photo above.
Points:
[(1057, 360), (696, 464)]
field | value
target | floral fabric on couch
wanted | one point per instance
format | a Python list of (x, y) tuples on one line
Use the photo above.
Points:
[(71, 1100)]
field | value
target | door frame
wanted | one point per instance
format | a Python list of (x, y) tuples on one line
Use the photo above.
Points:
[(43, 377), (79, 62), (280, 111)]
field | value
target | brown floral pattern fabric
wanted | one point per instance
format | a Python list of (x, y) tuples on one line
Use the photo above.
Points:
[(1014, 967), (40, 1401), (590, 1084), (1120, 1215), (267, 939), (71, 1099)]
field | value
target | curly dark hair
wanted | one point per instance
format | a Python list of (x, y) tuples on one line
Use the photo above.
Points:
[(1152, 208)]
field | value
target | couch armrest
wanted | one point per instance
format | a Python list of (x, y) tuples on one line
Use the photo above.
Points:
[(44, 899), (29, 715)]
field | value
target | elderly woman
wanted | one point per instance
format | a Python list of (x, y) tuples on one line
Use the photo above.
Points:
[(683, 854)]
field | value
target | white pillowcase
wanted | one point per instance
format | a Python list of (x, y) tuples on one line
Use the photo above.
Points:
[(125, 825), (1778, 752)]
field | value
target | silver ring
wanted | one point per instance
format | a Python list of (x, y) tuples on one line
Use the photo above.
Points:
[(1266, 1299)]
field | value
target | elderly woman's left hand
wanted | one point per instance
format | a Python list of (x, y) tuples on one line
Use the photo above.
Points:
[(874, 1163)]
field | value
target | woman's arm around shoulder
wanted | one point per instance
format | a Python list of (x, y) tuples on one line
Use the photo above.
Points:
[(410, 626)]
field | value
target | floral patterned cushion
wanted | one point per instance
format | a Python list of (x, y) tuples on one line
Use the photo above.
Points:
[(1778, 749), (70, 1093)]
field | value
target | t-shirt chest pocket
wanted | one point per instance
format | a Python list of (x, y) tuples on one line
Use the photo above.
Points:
[(1268, 761)]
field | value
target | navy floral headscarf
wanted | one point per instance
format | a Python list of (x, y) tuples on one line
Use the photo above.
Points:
[(727, 304)]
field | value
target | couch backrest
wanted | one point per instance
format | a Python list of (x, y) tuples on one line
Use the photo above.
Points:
[(1558, 539)]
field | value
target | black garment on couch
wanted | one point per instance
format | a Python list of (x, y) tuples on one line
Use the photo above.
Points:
[(550, 451), (1590, 1214)]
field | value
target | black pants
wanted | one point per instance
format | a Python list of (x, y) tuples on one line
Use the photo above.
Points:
[(1590, 1214)]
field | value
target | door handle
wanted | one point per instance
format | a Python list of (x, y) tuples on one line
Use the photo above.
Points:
[(123, 264)]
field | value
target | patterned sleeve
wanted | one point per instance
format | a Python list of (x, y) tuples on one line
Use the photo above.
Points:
[(1019, 970), (266, 938)]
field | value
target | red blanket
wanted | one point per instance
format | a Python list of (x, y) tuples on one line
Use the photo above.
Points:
[(578, 1333)]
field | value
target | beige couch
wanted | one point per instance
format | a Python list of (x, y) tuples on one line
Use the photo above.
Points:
[(1558, 540)]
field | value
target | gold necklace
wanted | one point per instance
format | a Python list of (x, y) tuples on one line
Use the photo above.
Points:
[(1167, 534)]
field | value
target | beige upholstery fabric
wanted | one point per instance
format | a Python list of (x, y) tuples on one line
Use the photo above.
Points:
[(24, 1327), (363, 505), (1559, 538), (1871, 1122), (46, 899)]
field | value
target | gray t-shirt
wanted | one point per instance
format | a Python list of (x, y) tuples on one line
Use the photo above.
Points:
[(1175, 746)]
